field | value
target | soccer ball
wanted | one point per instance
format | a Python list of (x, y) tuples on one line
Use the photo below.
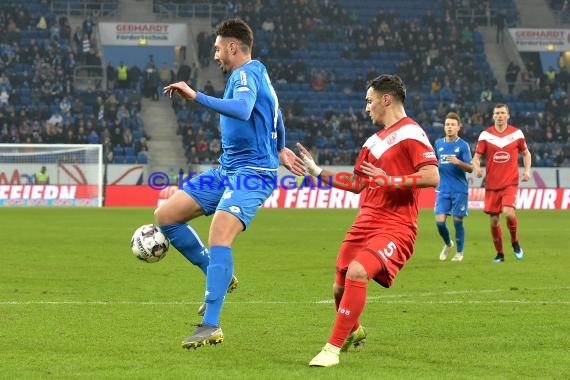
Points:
[(149, 243)]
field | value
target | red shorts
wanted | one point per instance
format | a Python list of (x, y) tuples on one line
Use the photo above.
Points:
[(382, 252), (495, 200)]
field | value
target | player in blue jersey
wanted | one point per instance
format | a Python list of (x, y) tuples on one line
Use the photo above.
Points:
[(454, 158), (253, 142)]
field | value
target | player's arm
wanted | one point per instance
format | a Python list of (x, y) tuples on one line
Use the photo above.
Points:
[(343, 181), (239, 107), (466, 167), (426, 176), (477, 165), (527, 162)]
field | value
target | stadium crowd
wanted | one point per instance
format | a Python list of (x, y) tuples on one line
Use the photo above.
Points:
[(320, 55), (39, 102)]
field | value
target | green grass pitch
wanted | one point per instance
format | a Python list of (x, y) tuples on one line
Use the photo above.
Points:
[(75, 303)]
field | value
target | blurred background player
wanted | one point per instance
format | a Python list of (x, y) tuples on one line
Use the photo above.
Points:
[(501, 144), (253, 141), (454, 158), (392, 166)]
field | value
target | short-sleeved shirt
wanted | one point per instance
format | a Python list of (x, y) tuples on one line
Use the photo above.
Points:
[(502, 152), (452, 179), (399, 150)]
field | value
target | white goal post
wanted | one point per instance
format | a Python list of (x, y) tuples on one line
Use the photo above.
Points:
[(51, 175)]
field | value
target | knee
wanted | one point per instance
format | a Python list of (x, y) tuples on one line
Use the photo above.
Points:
[(356, 272), (161, 217)]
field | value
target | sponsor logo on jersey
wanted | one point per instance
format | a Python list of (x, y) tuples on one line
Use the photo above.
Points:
[(501, 157), (429, 154)]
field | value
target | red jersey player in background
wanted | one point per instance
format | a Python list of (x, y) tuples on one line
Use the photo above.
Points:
[(501, 144), (392, 166)]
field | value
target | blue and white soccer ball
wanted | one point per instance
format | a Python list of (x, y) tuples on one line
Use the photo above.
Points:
[(149, 243)]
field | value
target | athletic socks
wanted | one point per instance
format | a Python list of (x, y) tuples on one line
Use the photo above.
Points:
[(186, 240), (349, 310), (459, 234), (218, 279), (512, 225), (497, 235), (443, 232)]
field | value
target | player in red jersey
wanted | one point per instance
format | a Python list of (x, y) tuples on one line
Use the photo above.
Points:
[(501, 144), (393, 165)]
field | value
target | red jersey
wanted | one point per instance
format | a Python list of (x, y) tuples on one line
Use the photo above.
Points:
[(502, 152), (400, 150)]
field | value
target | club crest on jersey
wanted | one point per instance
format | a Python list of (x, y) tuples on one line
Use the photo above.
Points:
[(501, 157), (391, 139)]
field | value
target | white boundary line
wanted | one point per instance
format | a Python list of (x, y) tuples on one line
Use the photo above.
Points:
[(407, 298)]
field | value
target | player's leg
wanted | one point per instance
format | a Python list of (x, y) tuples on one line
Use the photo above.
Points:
[(357, 336), (349, 310), (352, 244), (236, 209), (460, 203), (442, 209), (198, 197), (172, 217), (493, 207), (497, 235), (509, 209)]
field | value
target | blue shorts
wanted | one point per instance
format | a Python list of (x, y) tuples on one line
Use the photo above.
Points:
[(451, 204), (239, 192)]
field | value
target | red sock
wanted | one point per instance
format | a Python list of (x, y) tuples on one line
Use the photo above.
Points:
[(336, 304), (497, 235), (349, 310), (512, 224)]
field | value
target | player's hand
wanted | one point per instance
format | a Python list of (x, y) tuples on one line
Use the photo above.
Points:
[(292, 162), (479, 172), (312, 168), (526, 176), (371, 170), (452, 159), (180, 88)]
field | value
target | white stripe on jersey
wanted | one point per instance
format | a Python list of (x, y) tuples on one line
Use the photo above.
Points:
[(243, 78), (501, 141), (378, 146)]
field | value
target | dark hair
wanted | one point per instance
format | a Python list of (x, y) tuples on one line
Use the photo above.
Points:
[(389, 84), (501, 105), (238, 29), (453, 116)]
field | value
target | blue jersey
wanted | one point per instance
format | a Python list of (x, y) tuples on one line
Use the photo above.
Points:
[(452, 179), (251, 123)]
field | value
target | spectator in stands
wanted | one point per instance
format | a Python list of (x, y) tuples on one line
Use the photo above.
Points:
[(141, 146), (134, 75), (111, 73), (4, 98), (500, 23), (41, 177), (122, 76), (183, 73), (166, 74), (511, 76), (209, 88), (88, 25)]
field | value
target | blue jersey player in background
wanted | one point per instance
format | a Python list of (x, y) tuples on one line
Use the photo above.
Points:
[(454, 158), (253, 142)]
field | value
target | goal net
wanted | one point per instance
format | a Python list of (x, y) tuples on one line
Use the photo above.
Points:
[(51, 175)]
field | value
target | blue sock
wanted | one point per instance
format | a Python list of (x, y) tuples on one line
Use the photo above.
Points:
[(443, 232), (459, 234), (186, 240), (218, 279)]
